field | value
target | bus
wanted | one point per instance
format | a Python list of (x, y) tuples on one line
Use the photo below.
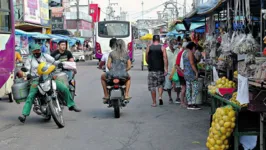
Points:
[(7, 47), (106, 30)]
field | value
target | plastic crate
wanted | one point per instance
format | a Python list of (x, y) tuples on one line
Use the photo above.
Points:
[(257, 101)]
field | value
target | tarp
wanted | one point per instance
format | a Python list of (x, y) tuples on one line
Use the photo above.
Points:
[(195, 25), (172, 33), (20, 32), (36, 35), (209, 6), (180, 27)]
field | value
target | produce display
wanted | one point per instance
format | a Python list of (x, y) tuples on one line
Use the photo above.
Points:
[(235, 101), (235, 74), (221, 83), (222, 126)]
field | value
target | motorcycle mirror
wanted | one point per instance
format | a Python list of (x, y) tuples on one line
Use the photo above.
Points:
[(24, 69)]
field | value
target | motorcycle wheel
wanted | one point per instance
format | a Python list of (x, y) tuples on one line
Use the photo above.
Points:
[(56, 113), (116, 109)]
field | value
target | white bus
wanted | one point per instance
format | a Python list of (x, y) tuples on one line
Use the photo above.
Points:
[(106, 30)]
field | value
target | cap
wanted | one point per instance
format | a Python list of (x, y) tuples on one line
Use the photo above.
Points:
[(35, 47), (156, 38)]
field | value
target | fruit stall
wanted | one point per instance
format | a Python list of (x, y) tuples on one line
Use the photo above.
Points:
[(231, 121)]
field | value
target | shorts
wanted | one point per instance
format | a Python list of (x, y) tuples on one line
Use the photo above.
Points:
[(167, 83), (182, 80), (155, 80)]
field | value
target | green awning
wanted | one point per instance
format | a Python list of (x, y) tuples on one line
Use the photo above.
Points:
[(196, 25)]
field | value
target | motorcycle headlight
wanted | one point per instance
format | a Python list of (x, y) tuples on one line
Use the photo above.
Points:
[(46, 86)]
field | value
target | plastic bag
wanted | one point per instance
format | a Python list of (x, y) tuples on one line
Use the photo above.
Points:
[(69, 65)]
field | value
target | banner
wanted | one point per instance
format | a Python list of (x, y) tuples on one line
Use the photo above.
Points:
[(44, 12), (32, 11)]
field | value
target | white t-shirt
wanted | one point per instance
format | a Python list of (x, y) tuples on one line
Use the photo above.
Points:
[(105, 59)]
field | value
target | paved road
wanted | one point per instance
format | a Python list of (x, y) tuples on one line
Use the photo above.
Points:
[(140, 127)]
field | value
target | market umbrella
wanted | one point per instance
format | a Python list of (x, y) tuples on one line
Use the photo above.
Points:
[(147, 37)]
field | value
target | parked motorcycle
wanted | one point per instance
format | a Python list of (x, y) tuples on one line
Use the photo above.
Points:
[(48, 102)]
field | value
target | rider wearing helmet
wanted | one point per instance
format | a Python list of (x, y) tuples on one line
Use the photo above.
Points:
[(32, 64)]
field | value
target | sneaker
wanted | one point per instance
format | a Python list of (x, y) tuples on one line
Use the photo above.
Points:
[(177, 101), (196, 107), (190, 107)]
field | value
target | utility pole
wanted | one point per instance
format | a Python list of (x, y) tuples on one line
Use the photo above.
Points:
[(185, 7), (89, 7), (77, 4), (142, 9)]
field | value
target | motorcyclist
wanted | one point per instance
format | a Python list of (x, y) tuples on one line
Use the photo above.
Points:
[(119, 64), (103, 62), (32, 64), (62, 55)]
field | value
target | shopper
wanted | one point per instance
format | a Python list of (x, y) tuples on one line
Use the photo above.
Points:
[(171, 52), (191, 76), (156, 58)]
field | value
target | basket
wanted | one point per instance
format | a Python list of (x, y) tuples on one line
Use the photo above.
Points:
[(257, 101), (223, 91)]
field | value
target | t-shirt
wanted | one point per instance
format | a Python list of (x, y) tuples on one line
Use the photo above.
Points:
[(119, 64), (62, 57), (105, 59), (178, 61)]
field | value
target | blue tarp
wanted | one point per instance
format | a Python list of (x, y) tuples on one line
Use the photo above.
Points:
[(20, 32), (195, 25), (180, 27), (208, 6), (36, 35)]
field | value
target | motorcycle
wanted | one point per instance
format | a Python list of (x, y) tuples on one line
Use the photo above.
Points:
[(116, 89), (48, 102)]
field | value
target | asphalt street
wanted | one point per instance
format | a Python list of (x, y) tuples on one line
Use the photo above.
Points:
[(141, 127)]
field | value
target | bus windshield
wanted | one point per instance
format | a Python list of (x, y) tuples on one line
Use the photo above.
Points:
[(113, 29), (5, 21)]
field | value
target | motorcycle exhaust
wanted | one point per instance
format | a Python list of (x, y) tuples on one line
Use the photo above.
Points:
[(125, 102)]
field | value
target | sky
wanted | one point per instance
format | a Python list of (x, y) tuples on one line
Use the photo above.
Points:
[(134, 7)]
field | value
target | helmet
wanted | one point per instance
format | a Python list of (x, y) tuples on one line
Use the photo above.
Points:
[(35, 47), (45, 69)]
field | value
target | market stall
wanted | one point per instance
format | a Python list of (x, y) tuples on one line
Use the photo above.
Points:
[(234, 72)]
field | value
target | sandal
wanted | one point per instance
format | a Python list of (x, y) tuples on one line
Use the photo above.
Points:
[(105, 100), (128, 98), (153, 105)]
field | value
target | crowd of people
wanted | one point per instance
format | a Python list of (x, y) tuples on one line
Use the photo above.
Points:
[(173, 65)]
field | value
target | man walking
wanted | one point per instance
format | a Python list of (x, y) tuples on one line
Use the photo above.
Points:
[(171, 52), (156, 58)]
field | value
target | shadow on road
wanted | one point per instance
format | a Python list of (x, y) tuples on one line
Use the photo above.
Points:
[(100, 113)]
